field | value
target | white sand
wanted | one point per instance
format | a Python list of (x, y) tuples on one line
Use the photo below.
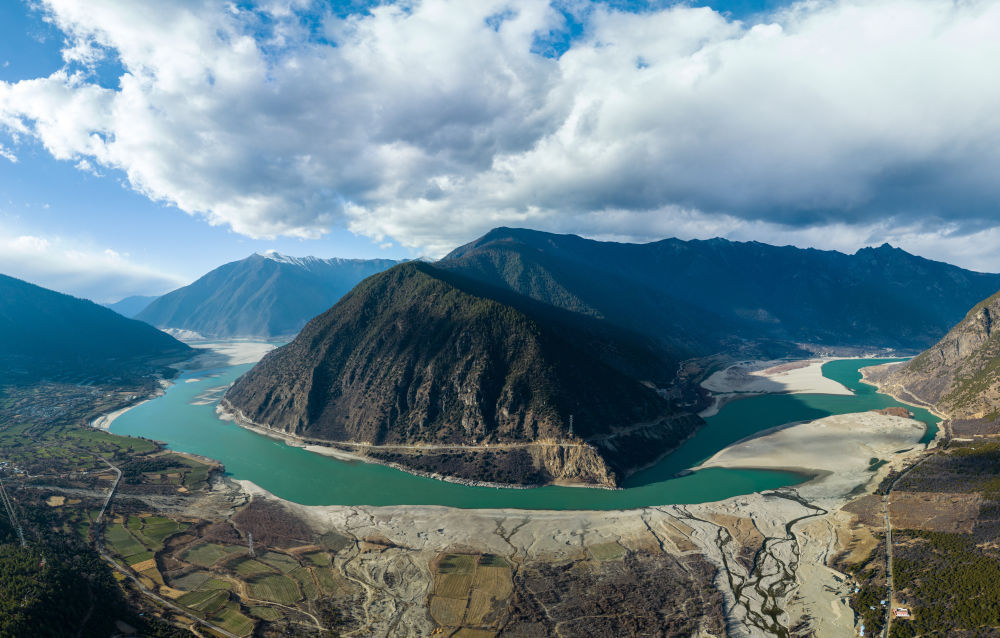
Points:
[(226, 353), (840, 447), (768, 377), (104, 422)]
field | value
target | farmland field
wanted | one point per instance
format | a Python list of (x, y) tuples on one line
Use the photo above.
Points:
[(320, 559), (306, 582), (496, 581), (191, 581), (480, 606), (275, 588), (265, 613), (456, 564), (453, 585), (327, 582), (448, 611), (121, 541), (204, 600), (230, 619), (207, 554), (250, 567), (281, 562)]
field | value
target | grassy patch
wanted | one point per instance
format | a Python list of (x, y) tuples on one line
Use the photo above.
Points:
[(206, 601), (250, 567), (456, 564), (189, 582), (265, 613), (320, 559), (306, 582), (230, 619), (121, 541), (207, 554), (327, 581), (282, 562), (275, 588)]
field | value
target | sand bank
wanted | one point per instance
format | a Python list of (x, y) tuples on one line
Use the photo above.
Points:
[(838, 448), (226, 353), (768, 377)]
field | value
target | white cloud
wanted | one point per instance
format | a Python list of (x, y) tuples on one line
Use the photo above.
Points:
[(431, 121), (85, 271), (7, 154)]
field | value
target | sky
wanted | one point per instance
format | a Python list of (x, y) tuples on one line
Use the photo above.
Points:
[(143, 143)]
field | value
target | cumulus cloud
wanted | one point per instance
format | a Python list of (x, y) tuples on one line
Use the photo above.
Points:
[(102, 275), (429, 121)]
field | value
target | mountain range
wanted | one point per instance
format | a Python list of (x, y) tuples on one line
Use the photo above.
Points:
[(700, 294), (262, 296), (44, 333), (470, 367)]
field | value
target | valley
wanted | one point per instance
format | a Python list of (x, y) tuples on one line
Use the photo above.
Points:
[(440, 455)]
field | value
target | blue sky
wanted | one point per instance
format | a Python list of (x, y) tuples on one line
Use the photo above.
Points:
[(39, 194), (401, 133)]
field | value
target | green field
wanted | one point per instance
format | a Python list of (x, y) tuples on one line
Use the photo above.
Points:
[(320, 559), (249, 567), (204, 600), (305, 579), (155, 529), (121, 541), (217, 583), (207, 554), (265, 613), (327, 582), (282, 562), (230, 619), (456, 564), (275, 588), (140, 557), (191, 581)]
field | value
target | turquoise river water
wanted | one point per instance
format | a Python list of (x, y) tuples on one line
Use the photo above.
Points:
[(184, 417)]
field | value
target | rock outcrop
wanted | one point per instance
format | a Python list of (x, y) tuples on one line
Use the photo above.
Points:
[(442, 374), (960, 375)]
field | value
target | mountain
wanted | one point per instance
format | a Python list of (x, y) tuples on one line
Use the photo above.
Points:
[(959, 375), (700, 293), (46, 333), (131, 306), (269, 295), (420, 356)]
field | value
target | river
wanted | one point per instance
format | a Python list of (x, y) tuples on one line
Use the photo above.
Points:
[(184, 417)]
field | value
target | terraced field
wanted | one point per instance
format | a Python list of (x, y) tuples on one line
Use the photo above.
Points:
[(467, 592), (275, 588), (207, 554)]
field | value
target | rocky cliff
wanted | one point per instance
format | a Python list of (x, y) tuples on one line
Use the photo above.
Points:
[(443, 374), (960, 375)]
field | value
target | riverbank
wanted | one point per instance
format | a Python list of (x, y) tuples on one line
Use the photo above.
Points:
[(751, 378), (843, 449), (226, 412)]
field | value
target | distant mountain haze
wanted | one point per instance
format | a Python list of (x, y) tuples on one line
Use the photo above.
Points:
[(268, 295), (702, 293), (47, 333), (131, 306)]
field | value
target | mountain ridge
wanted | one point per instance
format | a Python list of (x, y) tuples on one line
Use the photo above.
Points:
[(261, 296), (48, 333), (420, 356), (698, 292)]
